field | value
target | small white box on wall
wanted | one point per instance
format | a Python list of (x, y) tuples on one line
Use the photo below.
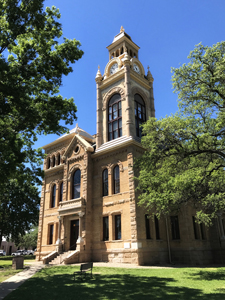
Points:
[(126, 245)]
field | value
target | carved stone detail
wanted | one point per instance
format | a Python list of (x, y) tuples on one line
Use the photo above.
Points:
[(112, 91), (145, 96), (76, 166)]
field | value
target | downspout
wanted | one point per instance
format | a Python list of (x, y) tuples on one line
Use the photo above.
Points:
[(168, 242)]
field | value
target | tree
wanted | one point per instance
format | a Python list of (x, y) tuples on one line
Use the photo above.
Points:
[(29, 240), (32, 63), (184, 158)]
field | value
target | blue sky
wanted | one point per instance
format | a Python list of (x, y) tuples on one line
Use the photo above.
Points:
[(165, 30)]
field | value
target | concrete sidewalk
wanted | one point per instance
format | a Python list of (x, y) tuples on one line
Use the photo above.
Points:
[(15, 281)]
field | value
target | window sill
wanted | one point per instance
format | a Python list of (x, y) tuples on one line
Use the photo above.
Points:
[(113, 241)]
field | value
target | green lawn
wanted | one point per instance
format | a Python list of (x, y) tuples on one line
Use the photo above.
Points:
[(6, 268), (53, 283)]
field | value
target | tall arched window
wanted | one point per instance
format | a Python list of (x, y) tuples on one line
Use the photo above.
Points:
[(76, 184), (61, 193), (114, 117), (53, 196), (105, 182), (48, 162), (53, 160), (58, 158), (116, 179), (140, 115)]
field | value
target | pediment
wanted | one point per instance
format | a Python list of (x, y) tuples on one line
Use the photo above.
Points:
[(78, 145)]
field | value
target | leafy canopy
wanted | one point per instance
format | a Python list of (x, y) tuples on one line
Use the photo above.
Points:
[(33, 59), (184, 158)]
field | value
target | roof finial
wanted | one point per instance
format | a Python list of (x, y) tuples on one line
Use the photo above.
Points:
[(98, 76), (149, 75), (121, 29)]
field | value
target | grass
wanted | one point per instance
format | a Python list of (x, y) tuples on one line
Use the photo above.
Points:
[(6, 270), (53, 283)]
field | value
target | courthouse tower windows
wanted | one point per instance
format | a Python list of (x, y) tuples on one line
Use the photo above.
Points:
[(140, 115), (175, 227), (118, 227), (114, 117), (53, 196), (53, 160), (147, 227), (48, 162), (105, 182), (105, 228), (58, 159), (51, 231), (76, 184), (116, 179), (61, 193), (157, 233)]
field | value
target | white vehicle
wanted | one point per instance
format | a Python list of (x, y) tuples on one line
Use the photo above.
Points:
[(2, 253), (17, 253)]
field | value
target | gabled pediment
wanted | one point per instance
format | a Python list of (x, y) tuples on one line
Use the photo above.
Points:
[(76, 142)]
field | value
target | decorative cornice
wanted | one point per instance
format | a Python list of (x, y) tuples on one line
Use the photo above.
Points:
[(112, 79), (76, 158), (142, 81), (76, 166), (50, 174)]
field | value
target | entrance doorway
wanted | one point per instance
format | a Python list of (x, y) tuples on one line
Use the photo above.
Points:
[(74, 234)]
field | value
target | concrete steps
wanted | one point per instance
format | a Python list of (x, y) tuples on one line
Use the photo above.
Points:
[(60, 258)]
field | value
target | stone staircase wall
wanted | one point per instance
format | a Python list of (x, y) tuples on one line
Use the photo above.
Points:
[(66, 258)]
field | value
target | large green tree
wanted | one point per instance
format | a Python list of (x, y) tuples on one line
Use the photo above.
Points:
[(33, 58), (184, 159), (29, 240)]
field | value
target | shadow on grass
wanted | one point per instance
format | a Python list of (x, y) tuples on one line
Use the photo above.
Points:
[(209, 275), (53, 286)]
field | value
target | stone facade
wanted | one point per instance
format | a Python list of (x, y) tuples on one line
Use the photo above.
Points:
[(98, 217)]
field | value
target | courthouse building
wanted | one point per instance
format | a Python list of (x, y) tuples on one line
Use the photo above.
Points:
[(88, 209)]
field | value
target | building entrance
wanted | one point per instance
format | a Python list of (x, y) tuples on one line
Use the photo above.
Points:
[(74, 234)]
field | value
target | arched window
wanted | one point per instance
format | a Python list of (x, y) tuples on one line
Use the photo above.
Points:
[(76, 184), (58, 158), (53, 160), (116, 179), (53, 196), (105, 182), (48, 162), (114, 117), (140, 115), (61, 193)]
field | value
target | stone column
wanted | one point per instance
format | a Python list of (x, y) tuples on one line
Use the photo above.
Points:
[(59, 242), (98, 80), (127, 93), (80, 241), (41, 220)]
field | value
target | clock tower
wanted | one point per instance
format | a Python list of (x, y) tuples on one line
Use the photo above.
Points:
[(124, 93)]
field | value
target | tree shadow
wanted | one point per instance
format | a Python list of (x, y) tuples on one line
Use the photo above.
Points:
[(209, 275), (106, 286)]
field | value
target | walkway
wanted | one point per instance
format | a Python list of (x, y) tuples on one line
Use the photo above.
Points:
[(15, 281)]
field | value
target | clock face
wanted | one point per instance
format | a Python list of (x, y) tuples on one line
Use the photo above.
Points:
[(114, 68), (136, 69)]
